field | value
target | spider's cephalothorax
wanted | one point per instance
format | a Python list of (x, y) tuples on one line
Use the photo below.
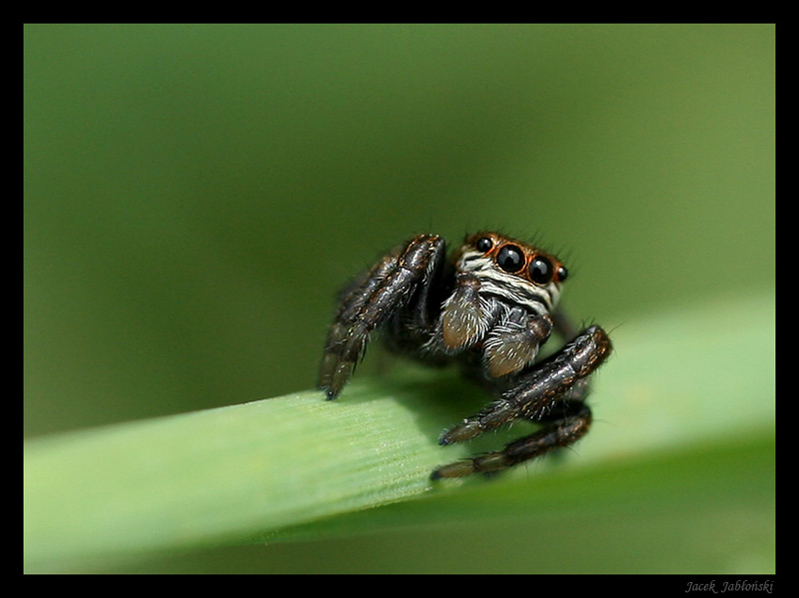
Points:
[(489, 309)]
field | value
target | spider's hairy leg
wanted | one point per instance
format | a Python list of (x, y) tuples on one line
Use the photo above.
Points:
[(553, 390), (372, 301), (537, 390), (562, 432)]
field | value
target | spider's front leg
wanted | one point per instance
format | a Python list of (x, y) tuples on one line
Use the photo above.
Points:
[(551, 393), (401, 277)]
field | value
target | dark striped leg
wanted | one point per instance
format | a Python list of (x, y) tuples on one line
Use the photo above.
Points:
[(561, 433), (552, 391), (372, 301)]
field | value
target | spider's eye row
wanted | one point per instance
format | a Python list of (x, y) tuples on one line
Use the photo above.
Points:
[(484, 244), (563, 273), (541, 270), (510, 258)]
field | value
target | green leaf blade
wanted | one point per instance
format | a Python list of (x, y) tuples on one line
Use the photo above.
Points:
[(290, 467)]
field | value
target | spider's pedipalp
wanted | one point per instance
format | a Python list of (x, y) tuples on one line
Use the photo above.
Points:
[(513, 344)]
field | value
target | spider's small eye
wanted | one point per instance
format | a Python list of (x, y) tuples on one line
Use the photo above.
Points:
[(484, 244), (510, 258), (563, 273), (541, 270)]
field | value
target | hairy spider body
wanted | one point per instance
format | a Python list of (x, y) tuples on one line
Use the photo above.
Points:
[(489, 309)]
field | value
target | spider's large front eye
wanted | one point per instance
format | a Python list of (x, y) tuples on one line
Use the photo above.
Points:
[(541, 270), (510, 258), (484, 244)]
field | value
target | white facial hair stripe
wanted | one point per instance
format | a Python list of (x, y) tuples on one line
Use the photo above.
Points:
[(540, 300)]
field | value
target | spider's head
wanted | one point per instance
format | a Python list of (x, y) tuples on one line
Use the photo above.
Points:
[(512, 270)]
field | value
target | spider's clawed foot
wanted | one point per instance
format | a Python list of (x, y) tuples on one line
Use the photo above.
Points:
[(344, 349)]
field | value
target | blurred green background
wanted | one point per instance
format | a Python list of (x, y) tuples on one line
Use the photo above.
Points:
[(194, 195)]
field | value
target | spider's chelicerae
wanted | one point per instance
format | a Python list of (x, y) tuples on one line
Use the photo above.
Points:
[(489, 309)]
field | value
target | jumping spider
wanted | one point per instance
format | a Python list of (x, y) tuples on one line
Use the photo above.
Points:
[(489, 309)]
